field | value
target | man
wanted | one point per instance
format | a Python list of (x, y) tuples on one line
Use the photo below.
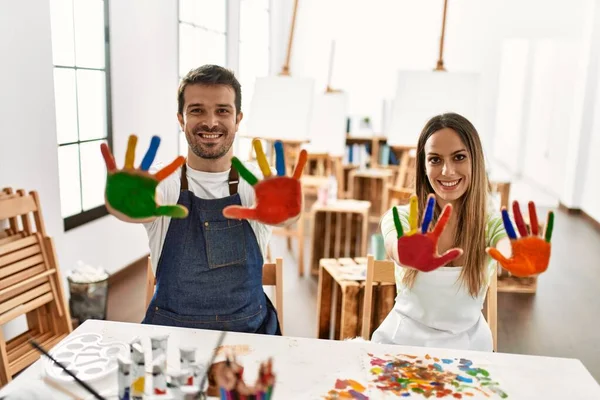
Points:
[(208, 267)]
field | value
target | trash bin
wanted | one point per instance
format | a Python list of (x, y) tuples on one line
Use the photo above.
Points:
[(88, 288)]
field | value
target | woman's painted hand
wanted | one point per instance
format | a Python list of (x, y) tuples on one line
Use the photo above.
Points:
[(531, 251), (418, 248)]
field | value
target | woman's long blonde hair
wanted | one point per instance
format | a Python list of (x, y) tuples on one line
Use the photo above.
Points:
[(471, 207)]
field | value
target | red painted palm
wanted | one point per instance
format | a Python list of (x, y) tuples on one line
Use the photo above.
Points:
[(418, 248), (278, 198)]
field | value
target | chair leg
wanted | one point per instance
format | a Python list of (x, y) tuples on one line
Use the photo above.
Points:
[(301, 245), (4, 376)]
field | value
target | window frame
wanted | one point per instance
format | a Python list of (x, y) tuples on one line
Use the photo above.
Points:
[(86, 216)]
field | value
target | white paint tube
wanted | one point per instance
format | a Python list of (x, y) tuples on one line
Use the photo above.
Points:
[(199, 370), (189, 392), (187, 357), (159, 347), (176, 382), (138, 371), (159, 381), (124, 377)]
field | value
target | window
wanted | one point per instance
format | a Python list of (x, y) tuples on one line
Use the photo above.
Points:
[(254, 55), (202, 39), (80, 53)]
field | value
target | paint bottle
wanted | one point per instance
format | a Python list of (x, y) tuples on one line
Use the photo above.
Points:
[(138, 372), (159, 381), (189, 392), (159, 345), (176, 381), (187, 357), (199, 370), (124, 377)]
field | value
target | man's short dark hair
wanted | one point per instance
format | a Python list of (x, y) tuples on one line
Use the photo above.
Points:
[(210, 75)]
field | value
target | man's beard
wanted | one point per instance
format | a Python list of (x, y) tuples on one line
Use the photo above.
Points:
[(210, 151)]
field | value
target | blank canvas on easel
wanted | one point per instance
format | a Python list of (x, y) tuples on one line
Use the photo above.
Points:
[(281, 108), (328, 124), (421, 95)]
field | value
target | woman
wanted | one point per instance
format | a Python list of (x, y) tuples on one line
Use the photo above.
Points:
[(442, 307)]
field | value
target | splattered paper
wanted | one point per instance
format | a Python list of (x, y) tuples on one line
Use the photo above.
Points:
[(411, 376)]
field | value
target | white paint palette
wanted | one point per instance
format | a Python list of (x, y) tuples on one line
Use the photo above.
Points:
[(86, 356)]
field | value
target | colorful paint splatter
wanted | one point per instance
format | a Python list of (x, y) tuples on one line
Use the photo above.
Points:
[(347, 389), (429, 377), (405, 375)]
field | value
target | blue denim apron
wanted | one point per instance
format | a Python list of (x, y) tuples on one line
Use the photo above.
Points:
[(209, 275)]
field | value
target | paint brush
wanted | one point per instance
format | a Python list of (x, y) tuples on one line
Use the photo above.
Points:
[(201, 393), (79, 381)]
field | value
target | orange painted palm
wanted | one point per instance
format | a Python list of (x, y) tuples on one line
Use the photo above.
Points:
[(278, 198), (530, 252)]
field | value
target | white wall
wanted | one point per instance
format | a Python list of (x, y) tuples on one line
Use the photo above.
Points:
[(586, 179), (28, 147), (547, 85), (143, 39), (143, 36)]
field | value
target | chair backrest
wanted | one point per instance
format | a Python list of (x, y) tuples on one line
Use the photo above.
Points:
[(407, 171), (272, 276), (30, 282), (377, 272), (17, 208), (24, 277), (490, 308), (398, 196), (503, 189)]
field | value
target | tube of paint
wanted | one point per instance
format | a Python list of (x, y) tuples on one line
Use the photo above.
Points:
[(189, 392), (175, 383), (138, 372), (187, 357), (159, 381), (124, 377), (199, 370), (158, 344)]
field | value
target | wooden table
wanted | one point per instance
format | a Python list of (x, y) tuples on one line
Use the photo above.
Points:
[(338, 229), (309, 368), (340, 299)]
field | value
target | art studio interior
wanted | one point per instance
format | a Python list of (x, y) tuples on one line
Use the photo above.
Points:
[(299, 199)]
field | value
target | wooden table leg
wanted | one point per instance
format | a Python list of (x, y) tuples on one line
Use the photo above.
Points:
[(324, 303), (349, 311), (337, 308)]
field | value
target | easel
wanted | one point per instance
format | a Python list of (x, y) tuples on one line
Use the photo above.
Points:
[(291, 150)]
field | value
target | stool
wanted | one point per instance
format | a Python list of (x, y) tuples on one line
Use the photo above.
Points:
[(340, 298)]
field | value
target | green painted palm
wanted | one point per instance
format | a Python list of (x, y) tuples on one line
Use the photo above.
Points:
[(131, 192)]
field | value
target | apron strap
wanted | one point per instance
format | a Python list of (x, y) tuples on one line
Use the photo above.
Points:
[(233, 179)]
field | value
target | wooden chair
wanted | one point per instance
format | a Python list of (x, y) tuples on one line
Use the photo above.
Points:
[(319, 167), (397, 196), (31, 285), (272, 276), (405, 178), (384, 272), (502, 188)]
